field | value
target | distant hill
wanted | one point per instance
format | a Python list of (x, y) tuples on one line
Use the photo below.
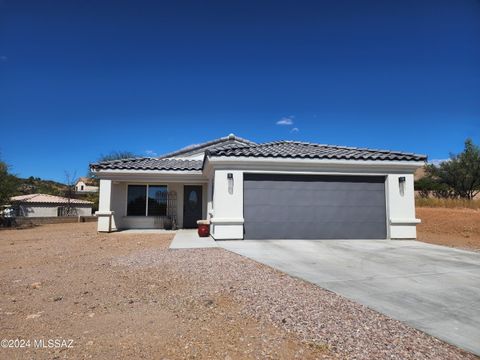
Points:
[(420, 173), (35, 185)]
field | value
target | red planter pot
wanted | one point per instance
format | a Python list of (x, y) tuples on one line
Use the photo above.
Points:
[(203, 230)]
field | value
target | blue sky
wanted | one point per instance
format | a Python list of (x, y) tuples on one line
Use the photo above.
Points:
[(83, 78)]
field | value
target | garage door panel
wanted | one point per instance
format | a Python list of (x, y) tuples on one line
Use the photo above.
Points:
[(286, 185), (314, 207), (313, 197), (317, 213), (313, 230)]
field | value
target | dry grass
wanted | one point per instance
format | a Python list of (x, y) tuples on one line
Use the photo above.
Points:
[(447, 203)]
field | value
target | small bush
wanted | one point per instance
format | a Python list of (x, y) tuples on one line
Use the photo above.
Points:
[(428, 186), (447, 203)]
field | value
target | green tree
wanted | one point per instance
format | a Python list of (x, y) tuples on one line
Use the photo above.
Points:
[(461, 173), (8, 183), (116, 155), (428, 185)]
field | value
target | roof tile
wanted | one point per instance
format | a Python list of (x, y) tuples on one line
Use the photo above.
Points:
[(277, 149), (167, 164), (46, 199), (296, 149)]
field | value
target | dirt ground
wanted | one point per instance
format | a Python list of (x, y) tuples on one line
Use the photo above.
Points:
[(58, 282), (450, 227), (125, 295)]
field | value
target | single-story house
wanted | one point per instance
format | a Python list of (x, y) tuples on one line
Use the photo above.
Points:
[(86, 185), (44, 205), (273, 190)]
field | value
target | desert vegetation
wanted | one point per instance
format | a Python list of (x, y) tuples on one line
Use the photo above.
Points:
[(447, 203), (453, 182)]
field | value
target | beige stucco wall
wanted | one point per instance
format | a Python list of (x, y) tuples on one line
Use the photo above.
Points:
[(49, 210), (118, 204)]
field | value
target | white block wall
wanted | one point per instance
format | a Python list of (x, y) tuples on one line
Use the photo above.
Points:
[(401, 207), (106, 221), (227, 207), (227, 221)]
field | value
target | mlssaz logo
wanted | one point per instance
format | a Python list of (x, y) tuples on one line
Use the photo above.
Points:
[(53, 343)]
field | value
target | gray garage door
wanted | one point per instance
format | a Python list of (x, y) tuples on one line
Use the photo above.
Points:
[(314, 207)]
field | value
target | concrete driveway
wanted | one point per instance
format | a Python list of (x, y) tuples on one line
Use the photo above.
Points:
[(432, 288)]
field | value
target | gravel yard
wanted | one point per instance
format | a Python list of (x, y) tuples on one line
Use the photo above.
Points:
[(119, 295)]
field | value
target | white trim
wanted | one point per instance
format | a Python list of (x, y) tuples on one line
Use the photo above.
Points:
[(307, 165), (227, 221), (129, 171), (104, 213), (144, 178), (397, 221), (387, 209)]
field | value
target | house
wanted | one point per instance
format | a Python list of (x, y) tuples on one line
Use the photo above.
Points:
[(86, 185), (274, 190), (44, 205)]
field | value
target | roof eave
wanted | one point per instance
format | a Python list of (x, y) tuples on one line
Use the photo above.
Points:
[(292, 163)]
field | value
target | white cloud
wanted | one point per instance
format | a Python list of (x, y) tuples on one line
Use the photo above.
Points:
[(295, 130), (437, 161), (151, 153), (286, 120)]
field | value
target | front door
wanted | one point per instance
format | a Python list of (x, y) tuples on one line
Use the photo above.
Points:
[(192, 205)]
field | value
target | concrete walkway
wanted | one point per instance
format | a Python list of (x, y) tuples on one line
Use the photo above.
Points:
[(189, 239), (432, 288)]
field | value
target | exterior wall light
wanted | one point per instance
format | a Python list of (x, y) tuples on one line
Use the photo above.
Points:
[(401, 185), (230, 183)]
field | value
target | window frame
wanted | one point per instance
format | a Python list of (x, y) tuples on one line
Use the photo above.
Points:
[(147, 186)]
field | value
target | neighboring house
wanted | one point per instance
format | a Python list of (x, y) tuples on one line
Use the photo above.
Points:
[(275, 190), (43, 205), (86, 185)]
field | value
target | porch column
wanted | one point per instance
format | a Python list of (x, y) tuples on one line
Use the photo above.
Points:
[(104, 213), (227, 220), (401, 206)]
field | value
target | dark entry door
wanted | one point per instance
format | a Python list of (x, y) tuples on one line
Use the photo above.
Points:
[(314, 207), (192, 205)]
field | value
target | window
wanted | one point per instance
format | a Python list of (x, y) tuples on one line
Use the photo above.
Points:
[(139, 204), (157, 200), (193, 200), (137, 201)]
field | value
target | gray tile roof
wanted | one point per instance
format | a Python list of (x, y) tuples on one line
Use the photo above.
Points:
[(149, 164), (277, 149), (229, 140), (304, 150)]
